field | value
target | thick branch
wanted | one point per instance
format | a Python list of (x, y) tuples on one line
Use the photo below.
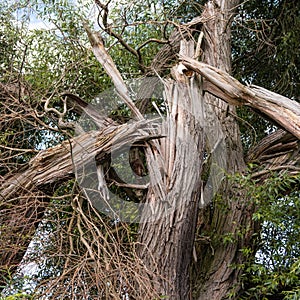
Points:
[(92, 111), (53, 165), (281, 110), (278, 151)]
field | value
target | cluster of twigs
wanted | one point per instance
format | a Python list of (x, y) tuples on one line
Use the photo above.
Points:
[(53, 243)]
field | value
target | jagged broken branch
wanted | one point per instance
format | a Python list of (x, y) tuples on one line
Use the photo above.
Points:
[(56, 164), (283, 111)]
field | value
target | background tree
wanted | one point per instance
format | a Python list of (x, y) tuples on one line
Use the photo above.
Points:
[(240, 239)]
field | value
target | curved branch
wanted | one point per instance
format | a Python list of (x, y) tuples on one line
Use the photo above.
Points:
[(283, 111), (107, 28), (152, 40)]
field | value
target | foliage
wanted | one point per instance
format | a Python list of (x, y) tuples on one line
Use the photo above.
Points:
[(266, 34), (275, 270), (265, 43)]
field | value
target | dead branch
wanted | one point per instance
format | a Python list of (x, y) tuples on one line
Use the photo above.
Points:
[(92, 111), (106, 61), (283, 111), (53, 165)]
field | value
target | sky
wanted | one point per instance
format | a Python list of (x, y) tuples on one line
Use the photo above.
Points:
[(87, 8)]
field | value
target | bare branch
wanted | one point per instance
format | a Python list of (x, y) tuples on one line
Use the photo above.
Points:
[(283, 111), (106, 61), (55, 164)]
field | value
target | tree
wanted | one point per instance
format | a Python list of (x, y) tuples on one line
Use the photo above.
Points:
[(181, 219)]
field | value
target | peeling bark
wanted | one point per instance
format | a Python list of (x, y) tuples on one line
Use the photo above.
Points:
[(213, 275), (283, 111), (166, 237)]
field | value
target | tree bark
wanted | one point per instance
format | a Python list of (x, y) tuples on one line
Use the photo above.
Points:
[(213, 275), (166, 237)]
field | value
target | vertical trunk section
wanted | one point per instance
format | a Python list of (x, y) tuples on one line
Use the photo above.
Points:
[(227, 225), (166, 234)]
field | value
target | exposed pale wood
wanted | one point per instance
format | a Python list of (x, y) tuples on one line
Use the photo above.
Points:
[(108, 64), (280, 109), (55, 164), (175, 166), (166, 234)]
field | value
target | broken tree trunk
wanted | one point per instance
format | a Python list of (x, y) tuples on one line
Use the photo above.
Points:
[(166, 234)]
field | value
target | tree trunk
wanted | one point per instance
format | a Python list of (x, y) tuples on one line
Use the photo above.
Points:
[(166, 235), (214, 275), (162, 243)]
